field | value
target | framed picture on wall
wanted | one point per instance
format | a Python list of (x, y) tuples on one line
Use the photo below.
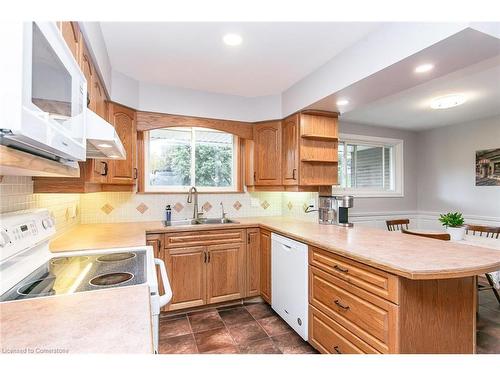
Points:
[(488, 167)]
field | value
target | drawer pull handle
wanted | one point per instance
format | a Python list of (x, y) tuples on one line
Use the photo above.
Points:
[(338, 268), (337, 302), (337, 350)]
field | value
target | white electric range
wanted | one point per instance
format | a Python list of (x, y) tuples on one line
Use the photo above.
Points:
[(29, 270)]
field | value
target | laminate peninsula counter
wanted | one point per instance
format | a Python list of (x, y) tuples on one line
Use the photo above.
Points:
[(408, 256), (370, 290)]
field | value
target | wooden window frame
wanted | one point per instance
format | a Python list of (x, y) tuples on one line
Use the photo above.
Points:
[(141, 164)]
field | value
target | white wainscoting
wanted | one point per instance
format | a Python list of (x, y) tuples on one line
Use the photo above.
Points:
[(418, 220), (377, 219)]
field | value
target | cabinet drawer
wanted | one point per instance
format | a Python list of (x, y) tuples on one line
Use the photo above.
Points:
[(371, 318), (373, 280), (203, 238), (327, 336)]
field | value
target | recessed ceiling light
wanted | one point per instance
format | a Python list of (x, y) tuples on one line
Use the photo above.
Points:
[(342, 102), (448, 101), (232, 39), (424, 68), (104, 145), (113, 156)]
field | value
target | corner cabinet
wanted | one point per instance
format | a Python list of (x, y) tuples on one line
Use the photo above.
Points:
[(298, 153), (124, 121), (267, 153)]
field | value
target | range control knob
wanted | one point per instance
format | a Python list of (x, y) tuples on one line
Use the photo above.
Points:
[(46, 223), (4, 238)]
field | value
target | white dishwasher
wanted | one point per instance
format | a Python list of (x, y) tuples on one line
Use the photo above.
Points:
[(289, 282)]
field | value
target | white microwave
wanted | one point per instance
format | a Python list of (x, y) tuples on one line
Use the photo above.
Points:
[(43, 93)]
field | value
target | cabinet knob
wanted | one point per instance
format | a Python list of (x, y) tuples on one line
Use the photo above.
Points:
[(337, 349), (339, 304), (338, 268)]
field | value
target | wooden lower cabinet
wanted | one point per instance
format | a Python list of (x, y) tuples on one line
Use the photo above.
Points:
[(327, 336), (225, 272), (205, 267), (265, 265), (355, 308), (187, 272), (253, 262)]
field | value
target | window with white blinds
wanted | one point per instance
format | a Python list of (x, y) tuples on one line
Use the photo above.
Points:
[(370, 166)]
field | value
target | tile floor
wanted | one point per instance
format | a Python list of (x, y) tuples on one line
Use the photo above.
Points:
[(488, 324), (249, 329), (256, 329)]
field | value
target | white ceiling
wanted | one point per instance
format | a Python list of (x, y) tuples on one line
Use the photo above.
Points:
[(467, 62), (410, 109), (272, 57)]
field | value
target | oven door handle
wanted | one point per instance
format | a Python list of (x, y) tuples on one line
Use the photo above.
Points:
[(165, 298)]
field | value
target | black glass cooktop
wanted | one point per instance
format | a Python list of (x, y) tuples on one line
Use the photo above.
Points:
[(73, 274)]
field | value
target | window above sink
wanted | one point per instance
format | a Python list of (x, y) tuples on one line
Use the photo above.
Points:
[(179, 157)]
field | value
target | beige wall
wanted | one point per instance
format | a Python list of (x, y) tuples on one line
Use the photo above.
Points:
[(446, 169)]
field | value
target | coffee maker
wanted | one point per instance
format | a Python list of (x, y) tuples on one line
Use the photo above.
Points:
[(334, 209)]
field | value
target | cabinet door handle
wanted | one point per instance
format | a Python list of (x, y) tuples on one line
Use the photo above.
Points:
[(339, 304), (135, 173), (208, 257), (293, 174), (248, 238), (338, 268), (105, 172), (254, 176), (205, 260), (337, 350)]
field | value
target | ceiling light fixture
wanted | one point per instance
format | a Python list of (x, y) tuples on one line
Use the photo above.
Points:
[(104, 145), (448, 101), (232, 39), (424, 68), (342, 102)]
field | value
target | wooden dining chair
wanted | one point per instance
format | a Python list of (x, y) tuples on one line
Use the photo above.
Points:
[(489, 232), (436, 236), (398, 224)]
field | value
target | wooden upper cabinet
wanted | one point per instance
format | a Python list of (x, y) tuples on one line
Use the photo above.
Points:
[(87, 68), (124, 121), (73, 37), (253, 262), (318, 150), (225, 272), (290, 134), (267, 153), (99, 97), (265, 265)]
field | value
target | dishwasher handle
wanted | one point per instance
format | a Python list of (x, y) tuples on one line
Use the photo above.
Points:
[(165, 298)]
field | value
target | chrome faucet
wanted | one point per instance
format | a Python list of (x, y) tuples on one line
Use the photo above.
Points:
[(193, 191), (223, 213)]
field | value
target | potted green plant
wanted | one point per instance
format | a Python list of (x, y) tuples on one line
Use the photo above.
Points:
[(454, 223)]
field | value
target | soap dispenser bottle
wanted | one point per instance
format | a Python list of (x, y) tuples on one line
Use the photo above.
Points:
[(168, 214)]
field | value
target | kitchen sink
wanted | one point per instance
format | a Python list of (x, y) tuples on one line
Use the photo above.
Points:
[(175, 223)]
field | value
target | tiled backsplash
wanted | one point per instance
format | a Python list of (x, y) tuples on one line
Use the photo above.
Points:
[(16, 193), (116, 207)]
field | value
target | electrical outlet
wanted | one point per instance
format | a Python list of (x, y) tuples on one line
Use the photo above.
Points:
[(312, 204)]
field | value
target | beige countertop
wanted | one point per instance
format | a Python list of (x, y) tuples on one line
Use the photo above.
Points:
[(106, 321), (401, 254)]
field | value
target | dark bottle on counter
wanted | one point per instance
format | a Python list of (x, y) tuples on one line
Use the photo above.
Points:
[(168, 213)]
